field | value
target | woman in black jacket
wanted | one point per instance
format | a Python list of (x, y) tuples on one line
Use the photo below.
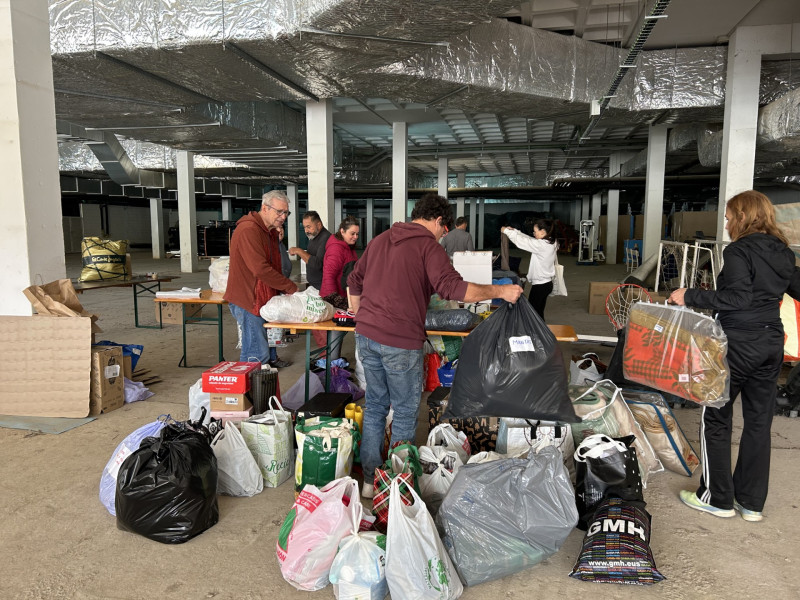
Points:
[(756, 273)]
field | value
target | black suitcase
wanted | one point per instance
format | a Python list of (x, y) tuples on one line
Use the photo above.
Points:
[(326, 404)]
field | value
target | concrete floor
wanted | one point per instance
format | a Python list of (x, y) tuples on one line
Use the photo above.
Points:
[(58, 541)]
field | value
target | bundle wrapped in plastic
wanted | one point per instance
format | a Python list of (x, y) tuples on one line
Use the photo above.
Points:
[(300, 307), (459, 319), (676, 350), (218, 274), (103, 260)]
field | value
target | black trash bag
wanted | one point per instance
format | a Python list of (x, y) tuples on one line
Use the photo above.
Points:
[(167, 489), (454, 319), (613, 476), (511, 366)]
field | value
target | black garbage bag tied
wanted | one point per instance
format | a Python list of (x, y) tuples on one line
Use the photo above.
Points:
[(511, 366), (167, 489)]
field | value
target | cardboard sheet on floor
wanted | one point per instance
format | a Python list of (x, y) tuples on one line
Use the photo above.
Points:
[(45, 366), (43, 424)]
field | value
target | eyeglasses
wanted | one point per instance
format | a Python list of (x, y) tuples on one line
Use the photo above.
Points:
[(281, 213)]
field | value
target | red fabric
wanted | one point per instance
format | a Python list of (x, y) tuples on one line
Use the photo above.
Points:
[(337, 254), (380, 502), (432, 363), (254, 274)]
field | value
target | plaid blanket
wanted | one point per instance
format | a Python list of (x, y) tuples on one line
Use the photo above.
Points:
[(678, 351)]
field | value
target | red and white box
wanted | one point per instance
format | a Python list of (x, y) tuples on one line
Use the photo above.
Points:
[(229, 377)]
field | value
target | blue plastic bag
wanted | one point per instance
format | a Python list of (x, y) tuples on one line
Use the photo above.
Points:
[(132, 350), (447, 372), (108, 481)]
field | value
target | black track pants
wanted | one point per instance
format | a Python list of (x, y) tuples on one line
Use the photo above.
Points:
[(755, 359)]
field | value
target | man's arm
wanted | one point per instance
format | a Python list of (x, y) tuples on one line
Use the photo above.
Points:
[(478, 292), (295, 251), (355, 303)]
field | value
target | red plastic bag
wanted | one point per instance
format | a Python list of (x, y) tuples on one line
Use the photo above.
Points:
[(432, 363)]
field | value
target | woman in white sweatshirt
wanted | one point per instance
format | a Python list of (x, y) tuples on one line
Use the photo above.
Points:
[(542, 247)]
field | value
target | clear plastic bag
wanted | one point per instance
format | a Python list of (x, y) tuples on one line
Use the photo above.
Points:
[(198, 400), (218, 274), (504, 516), (358, 572), (676, 350)]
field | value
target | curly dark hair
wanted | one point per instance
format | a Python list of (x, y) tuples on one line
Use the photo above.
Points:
[(432, 206)]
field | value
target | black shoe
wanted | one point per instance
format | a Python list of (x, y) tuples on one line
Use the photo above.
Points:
[(279, 364)]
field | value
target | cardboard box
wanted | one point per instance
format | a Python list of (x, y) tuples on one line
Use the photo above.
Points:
[(44, 366), (598, 291), (171, 312), (107, 390), (229, 402), (475, 267), (229, 377), (235, 416)]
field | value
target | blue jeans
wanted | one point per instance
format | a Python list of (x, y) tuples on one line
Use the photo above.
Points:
[(255, 347), (394, 379)]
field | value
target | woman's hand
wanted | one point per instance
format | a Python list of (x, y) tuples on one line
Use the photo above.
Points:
[(503, 228), (676, 297)]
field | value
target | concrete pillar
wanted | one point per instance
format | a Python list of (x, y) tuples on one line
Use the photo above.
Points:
[(575, 214), (654, 190), (597, 200), (473, 212), (443, 176), (612, 212), (157, 226), (319, 145), (399, 172), (227, 209), (370, 233), (585, 208), (338, 215), (481, 221), (31, 234), (187, 211), (295, 220), (461, 180)]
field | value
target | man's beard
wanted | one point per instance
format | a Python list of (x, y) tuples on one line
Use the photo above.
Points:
[(311, 236)]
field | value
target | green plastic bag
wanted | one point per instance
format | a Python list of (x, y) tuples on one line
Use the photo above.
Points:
[(325, 450)]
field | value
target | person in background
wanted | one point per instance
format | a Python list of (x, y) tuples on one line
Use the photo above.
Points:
[(390, 288), (340, 251), (458, 240), (254, 274), (541, 270), (758, 266), (286, 269), (314, 257)]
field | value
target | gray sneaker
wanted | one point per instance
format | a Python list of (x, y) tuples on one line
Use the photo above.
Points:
[(748, 515)]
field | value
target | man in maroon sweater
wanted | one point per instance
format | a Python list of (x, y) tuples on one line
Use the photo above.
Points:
[(390, 288), (254, 274)]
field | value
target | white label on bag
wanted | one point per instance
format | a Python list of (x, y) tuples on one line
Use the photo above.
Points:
[(120, 457), (522, 343), (659, 328), (683, 377), (111, 371)]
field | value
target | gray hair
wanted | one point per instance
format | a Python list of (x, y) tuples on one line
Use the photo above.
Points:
[(274, 194)]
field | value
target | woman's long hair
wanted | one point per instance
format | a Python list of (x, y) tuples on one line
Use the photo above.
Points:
[(346, 224), (549, 227), (753, 212)]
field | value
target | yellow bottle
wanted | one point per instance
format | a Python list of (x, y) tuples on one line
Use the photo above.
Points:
[(356, 413)]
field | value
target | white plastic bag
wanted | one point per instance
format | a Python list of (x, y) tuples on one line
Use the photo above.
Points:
[(417, 565), (584, 371), (238, 473), (516, 437), (269, 439), (445, 435), (311, 532), (439, 466), (300, 307), (358, 572), (484, 457), (218, 274), (198, 399), (294, 397)]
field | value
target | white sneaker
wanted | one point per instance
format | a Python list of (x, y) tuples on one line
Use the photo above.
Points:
[(368, 490)]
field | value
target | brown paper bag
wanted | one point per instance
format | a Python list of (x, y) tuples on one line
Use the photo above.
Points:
[(58, 299)]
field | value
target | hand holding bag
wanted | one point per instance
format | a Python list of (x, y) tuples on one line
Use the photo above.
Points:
[(417, 565)]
